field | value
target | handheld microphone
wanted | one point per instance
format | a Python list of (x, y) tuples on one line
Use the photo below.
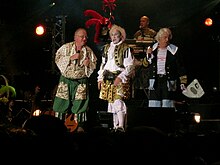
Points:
[(142, 31), (150, 47), (76, 60)]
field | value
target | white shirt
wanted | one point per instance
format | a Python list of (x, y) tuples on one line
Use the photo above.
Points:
[(111, 65)]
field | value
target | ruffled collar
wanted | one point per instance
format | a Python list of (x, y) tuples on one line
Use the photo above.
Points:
[(172, 48), (112, 44)]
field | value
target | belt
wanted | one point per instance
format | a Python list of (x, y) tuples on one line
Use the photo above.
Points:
[(110, 75), (161, 75)]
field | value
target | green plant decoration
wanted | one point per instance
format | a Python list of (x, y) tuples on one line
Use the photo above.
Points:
[(6, 91)]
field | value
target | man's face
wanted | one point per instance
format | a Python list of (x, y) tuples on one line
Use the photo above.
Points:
[(143, 23), (81, 38), (115, 36), (164, 40)]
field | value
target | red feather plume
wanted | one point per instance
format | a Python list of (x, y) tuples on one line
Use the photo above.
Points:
[(98, 20)]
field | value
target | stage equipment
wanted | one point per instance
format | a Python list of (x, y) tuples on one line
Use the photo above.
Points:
[(140, 80), (37, 112), (208, 22), (40, 30), (197, 117), (139, 47), (105, 119), (58, 36), (21, 116)]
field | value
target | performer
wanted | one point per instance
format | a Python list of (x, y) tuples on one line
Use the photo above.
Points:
[(145, 32), (76, 62), (114, 76), (166, 70), (146, 35)]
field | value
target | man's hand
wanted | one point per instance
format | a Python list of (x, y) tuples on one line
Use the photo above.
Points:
[(99, 85), (149, 51), (117, 81), (182, 87), (86, 61), (75, 57)]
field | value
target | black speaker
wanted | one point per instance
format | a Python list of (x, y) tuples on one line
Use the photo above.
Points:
[(105, 119)]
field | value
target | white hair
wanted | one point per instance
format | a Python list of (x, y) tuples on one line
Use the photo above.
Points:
[(162, 31), (120, 29)]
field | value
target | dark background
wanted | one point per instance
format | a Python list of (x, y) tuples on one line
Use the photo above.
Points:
[(26, 59)]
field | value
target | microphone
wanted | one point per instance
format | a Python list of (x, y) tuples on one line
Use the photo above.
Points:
[(150, 47), (76, 60), (142, 31), (149, 54)]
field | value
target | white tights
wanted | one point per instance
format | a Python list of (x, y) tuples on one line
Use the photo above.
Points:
[(119, 110)]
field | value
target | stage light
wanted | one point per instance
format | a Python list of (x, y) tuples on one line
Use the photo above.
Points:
[(197, 117), (37, 112), (208, 22), (40, 30)]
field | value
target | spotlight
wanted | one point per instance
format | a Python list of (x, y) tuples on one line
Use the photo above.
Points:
[(40, 30), (208, 22), (37, 112), (188, 122), (197, 117), (52, 4)]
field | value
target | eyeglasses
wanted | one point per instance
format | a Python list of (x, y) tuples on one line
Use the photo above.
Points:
[(82, 36)]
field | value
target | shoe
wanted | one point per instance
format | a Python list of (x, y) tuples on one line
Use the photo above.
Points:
[(113, 130), (120, 129)]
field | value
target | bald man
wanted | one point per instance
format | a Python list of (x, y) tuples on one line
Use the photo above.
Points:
[(144, 32)]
